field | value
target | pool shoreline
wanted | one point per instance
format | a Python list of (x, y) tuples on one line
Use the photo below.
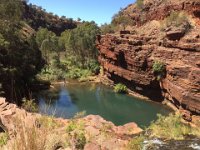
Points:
[(99, 79), (99, 99)]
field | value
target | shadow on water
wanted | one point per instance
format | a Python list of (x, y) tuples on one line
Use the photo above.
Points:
[(100, 100)]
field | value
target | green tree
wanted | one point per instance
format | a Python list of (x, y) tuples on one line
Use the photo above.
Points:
[(80, 42), (48, 42), (20, 58), (43, 34)]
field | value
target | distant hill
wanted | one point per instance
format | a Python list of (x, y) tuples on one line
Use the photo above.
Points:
[(37, 17)]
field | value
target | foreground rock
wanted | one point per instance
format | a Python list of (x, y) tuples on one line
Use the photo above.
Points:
[(128, 57), (49, 133)]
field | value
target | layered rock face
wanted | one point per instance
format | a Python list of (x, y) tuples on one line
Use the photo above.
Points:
[(128, 56)]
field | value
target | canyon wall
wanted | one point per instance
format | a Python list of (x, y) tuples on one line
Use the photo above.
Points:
[(128, 56)]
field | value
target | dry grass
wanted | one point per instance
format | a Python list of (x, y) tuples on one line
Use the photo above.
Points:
[(39, 134), (29, 137), (136, 143), (47, 122), (176, 19)]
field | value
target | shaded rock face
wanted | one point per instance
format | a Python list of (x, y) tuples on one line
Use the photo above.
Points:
[(128, 57)]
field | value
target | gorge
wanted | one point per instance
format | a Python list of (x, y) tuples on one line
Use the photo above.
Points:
[(159, 35), (57, 77)]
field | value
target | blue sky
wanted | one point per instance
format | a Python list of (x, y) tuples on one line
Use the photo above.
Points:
[(100, 11)]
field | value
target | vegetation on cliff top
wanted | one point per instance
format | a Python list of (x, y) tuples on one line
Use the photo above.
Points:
[(119, 22), (37, 17)]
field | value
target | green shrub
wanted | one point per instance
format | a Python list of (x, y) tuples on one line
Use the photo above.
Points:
[(76, 132), (80, 140), (136, 143), (71, 126), (120, 88), (94, 67), (171, 127), (3, 139), (52, 74), (76, 73), (158, 67), (29, 105), (75, 123)]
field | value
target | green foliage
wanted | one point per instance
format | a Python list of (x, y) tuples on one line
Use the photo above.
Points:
[(158, 67), (140, 4), (176, 19), (47, 122), (43, 34), (3, 139), (120, 88), (29, 105), (171, 127), (107, 28), (79, 53), (122, 20), (20, 59), (37, 17), (119, 21), (80, 140), (76, 132), (77, 73), (93, 66), (10, 11), (136, 143), (80, 42), (48, 42)]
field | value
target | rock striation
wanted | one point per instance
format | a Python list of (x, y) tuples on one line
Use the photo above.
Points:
[(128, 56)]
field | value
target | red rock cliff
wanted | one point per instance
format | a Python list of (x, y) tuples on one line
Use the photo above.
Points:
[(128, 56)]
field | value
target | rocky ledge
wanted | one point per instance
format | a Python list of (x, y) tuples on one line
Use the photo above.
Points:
[(129, 56), (62, 133)]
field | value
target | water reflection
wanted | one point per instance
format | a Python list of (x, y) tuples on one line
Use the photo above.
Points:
[(99, 100)]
